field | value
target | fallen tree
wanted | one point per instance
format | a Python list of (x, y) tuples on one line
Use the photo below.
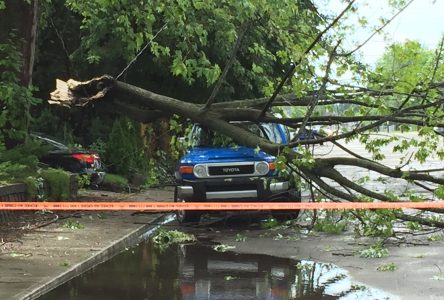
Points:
[(138, 103)]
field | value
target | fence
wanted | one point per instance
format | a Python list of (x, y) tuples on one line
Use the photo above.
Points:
[(11, 193), (18, 193)]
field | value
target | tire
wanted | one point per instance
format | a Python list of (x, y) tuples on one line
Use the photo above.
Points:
[(285, 215), (186, 216)]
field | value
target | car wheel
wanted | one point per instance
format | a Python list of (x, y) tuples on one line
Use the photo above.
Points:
[(285, 215), (186, 216)]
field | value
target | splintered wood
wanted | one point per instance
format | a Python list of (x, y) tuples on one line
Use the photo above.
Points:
[(76, 93)]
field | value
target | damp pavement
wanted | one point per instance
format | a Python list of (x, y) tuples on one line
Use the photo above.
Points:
[(417, 260), (51, 255), (197, 271)]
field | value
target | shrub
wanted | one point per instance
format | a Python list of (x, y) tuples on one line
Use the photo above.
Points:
[(114, 182), (58, 183), (34, 187), (125, 153)]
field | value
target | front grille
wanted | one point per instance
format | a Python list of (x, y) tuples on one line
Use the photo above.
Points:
[(228, 170), (231, 187)]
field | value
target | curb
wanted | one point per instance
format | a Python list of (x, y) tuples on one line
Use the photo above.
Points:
[(138, 235)]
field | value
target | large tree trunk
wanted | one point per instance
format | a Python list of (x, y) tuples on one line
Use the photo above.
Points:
[(20, 18), (18, 26)]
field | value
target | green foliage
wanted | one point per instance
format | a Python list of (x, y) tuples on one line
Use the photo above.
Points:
[(391, 267), (99, 146), (198, 38), (32, 187), (10, 171), (406, 65), (270, 223), (65, 264), (113, 180), (178, 128), (435, 237), (153, 174), (405, 68), (125, 153), (70, 224), (240, 238), (48, 122), (84, 181), (375, 223), (306, 160), (15, 98), (438, 277), (165, 238), (19, 164), (58, 183), (375, 251), (223, 248), (439, 192), (415, 226), (375, 145), (330, 222), (160, 169)]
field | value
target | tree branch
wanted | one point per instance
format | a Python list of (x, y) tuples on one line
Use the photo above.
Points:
[(228, 65), (293, 66), (315, 100), (377, 30)]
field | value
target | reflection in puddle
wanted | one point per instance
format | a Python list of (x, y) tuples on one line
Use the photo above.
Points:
[(198, 272)]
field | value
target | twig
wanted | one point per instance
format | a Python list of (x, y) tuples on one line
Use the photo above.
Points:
[(293, 66), (377, 30), (227, 67), (321, 93)]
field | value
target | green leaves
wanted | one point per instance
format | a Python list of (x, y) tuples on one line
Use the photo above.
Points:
[(190, 68), (198, 39), (439, 192), (405, 66), (212, 74), (391, 267), (178, 67), (375, 251)]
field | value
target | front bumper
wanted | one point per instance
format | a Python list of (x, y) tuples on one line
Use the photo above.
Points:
[(229, 189)]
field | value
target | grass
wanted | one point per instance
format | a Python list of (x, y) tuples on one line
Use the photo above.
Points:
[(115, 179)]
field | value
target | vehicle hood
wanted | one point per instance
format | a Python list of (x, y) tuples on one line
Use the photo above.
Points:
[(208, 154)]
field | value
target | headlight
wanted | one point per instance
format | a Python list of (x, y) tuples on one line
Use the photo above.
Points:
[(262, 168), (199, 171)]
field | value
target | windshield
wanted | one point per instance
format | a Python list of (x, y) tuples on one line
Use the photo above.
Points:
[(204, 137)]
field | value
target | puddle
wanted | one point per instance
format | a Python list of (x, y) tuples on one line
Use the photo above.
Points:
[(199, 272)]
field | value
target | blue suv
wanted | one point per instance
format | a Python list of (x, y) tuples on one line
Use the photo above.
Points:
[(216, 169)]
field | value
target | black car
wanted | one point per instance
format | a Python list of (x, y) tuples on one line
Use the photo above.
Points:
[(82, 162)]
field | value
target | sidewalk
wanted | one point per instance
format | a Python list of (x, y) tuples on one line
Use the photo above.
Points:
[(51, 255)]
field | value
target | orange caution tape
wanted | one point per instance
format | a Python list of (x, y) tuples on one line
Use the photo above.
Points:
[(168, 206)]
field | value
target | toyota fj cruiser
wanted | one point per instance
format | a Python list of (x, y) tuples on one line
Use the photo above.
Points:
[(215, 169)]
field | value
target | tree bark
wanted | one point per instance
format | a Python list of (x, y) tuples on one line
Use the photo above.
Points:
[(20, 18)]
